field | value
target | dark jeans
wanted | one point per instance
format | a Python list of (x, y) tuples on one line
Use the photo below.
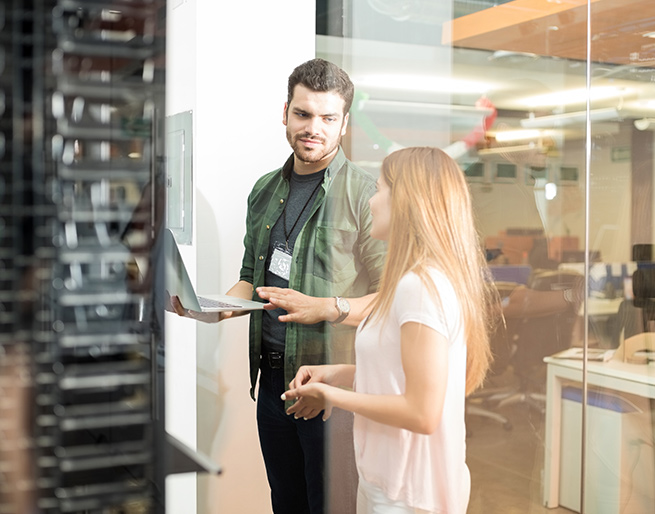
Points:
[(293, 449)]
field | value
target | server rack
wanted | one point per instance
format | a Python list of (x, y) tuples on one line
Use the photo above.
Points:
[(81, 203)]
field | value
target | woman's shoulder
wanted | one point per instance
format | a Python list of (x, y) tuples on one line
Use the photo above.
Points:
[(431, 288), (413, 279)]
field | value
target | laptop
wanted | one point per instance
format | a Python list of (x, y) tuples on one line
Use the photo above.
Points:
[(179, 284)]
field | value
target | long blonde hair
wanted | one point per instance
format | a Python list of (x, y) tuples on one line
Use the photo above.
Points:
[(432, 226)]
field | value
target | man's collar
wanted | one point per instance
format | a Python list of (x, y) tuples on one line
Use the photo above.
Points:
[(335, 164), (287, 168)]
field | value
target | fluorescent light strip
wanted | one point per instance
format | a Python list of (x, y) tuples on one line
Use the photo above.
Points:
[(574, 96), (570, 118), (395, 106), (422, 83), (512, 149)]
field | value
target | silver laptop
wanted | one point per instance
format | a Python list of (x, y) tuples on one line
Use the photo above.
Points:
[(179, 284)]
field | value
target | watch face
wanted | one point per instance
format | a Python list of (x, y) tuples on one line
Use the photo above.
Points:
[(344, 306)]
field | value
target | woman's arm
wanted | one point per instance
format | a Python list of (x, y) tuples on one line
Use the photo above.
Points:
[(337, 375), (424, 354)]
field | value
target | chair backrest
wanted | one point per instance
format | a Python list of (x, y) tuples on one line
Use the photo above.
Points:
[(538, 337), (549, 280), (629, 322)]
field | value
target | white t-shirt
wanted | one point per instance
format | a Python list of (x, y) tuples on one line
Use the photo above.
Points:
[(424, 471)]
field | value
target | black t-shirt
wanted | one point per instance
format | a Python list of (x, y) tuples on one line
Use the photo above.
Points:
[(302, 194)]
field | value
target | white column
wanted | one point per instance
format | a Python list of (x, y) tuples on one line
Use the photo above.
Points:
[(228, 62)]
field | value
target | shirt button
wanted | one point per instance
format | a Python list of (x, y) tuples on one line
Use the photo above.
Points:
[(268, 227), (261, 257), (281, 200)]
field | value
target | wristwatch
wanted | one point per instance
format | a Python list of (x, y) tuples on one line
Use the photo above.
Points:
[(343, 308)]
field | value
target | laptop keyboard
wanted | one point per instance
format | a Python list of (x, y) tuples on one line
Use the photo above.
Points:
[(213, 304)]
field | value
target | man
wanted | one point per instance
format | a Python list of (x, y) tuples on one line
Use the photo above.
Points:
[(307, 229)]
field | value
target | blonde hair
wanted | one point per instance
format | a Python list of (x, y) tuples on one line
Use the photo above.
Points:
[(432, 226)]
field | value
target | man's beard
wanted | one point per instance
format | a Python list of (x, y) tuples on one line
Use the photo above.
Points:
[(314, 155)]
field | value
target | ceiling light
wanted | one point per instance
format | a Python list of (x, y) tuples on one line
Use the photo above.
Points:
[(570, 118), (396, 106), (644, 123), (518, 135), (550, 191), (514, 57)]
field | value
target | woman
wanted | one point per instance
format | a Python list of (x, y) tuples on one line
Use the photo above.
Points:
[(422, 348)]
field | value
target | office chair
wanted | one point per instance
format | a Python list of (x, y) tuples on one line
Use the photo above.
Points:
[(535, 337), (630, 320), (484, 401)]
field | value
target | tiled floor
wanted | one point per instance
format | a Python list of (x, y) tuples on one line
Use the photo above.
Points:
[(506, 465)]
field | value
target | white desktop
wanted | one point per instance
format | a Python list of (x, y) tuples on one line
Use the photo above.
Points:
[(620, 459)]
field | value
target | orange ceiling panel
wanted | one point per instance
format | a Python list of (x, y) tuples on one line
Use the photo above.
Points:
[(558, 28)]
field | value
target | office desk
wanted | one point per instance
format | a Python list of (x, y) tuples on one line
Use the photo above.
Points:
[(637, 379), (601, 311)]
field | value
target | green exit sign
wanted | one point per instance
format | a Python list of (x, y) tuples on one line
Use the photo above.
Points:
[(620, 154)]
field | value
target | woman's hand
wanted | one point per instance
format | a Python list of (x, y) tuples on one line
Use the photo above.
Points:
[(313, 387), (338, 375), (303, 376), (311, 399)]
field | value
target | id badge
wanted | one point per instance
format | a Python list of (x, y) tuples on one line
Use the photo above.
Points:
[(281, 261)]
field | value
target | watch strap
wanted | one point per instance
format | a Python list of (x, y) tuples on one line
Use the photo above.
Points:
[(342, 315)]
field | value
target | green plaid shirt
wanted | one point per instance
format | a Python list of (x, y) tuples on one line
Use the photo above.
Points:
[(333, 255)]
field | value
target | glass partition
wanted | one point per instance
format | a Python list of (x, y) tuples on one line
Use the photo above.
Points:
[(618, 462), (556, 139)]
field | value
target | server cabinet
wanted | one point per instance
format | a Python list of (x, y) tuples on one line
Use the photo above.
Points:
[(81, 334)]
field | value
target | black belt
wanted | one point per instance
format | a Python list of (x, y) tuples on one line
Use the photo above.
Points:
[(275, 360)]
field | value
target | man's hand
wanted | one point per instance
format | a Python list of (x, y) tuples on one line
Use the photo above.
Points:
[(300, 307), (206, 317)]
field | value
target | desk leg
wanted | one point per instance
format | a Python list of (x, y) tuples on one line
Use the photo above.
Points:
[(552, 433)]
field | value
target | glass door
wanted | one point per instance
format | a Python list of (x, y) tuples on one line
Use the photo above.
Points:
[(548, 108)]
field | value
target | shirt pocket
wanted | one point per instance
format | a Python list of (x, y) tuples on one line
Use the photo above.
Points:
[(334, 253)]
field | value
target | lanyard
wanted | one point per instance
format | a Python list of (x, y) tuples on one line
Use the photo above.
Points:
[(287, 234)]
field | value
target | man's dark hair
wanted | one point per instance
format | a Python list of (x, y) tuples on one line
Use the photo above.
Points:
[(323, 76)]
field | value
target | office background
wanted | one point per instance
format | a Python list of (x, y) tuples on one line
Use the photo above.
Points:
[(544, 199)]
